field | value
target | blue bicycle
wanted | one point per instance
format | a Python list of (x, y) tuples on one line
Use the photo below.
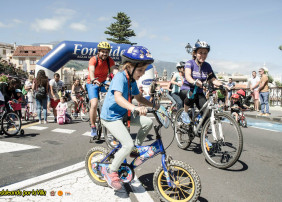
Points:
[(173, 181)]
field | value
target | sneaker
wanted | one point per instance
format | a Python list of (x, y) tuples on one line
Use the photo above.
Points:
[(93, 134), (134, 153), (260, 114), (111, 178), (266, 114), (55, 120), (39, 121), (45, 122), (185, 117), (75, 114)]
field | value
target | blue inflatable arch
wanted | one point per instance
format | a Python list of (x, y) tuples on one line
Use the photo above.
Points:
[(74, 50)]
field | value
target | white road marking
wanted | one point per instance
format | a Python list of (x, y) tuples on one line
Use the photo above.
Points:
[(89, 134), (60, 130), (44, 177), (6, 147), (37, 127), (265, 129), (139, 191)]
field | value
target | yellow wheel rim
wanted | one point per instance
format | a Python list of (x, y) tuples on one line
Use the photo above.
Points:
[(97, 178), (185, 185)]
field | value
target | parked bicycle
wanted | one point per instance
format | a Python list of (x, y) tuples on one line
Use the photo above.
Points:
[(10, 121), (220, 136), (82, 108), (28, 113), (173, 181)]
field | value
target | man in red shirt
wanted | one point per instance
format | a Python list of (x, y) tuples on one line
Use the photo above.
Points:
[(99, 68)]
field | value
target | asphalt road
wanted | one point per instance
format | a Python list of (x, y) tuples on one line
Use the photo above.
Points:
[(255, 177)]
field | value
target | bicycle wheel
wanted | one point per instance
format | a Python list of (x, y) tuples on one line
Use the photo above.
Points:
[(11, 123), (71, 111), (184, 177), (243, 122), (110, 140), (94, 155), (84, 112), (181, 131), (225, 151)]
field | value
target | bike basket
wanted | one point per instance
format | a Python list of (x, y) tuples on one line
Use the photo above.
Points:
[(163, 116)]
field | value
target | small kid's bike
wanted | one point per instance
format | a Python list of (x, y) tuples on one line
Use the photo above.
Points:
[(28, 113), (82, 108), (10, 121), (173, 181)]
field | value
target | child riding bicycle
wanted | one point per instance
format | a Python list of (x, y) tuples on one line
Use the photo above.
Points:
[(118, 104)]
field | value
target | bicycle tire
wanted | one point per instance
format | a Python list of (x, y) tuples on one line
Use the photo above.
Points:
[(85, 112), (183, 176), (94, 174), (11, 123), (110, 140), (222, 153), (71, 111), (183, 140)]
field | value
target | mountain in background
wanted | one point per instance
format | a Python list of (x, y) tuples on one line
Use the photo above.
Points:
[(160, 66), (80, 65)]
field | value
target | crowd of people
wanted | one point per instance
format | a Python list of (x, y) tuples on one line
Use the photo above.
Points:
[(186, 89)]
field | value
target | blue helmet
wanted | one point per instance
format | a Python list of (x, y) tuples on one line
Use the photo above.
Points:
[(137, 54), (18, 90), (201, 44)]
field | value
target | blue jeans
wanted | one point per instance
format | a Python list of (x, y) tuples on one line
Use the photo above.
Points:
[(263, 97), (43, 104), (177, 99)]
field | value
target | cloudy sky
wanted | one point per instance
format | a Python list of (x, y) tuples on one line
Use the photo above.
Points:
[(243, 34)]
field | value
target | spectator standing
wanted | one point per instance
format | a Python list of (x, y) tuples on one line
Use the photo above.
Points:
[(8, 90), (56, 85), (230, 87), (41, 87), (254, 85), (30, 96), (263, 93)]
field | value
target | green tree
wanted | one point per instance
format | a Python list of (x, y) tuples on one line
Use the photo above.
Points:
[(270, 79), (120, 30), (280, 47), (278, 84)]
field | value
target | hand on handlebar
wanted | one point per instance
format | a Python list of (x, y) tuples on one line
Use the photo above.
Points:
[(141, 111), (199, 84)]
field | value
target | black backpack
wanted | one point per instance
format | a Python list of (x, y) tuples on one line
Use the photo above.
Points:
[(41, 93)]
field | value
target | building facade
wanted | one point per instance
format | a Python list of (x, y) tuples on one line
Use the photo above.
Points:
[(26, 57)]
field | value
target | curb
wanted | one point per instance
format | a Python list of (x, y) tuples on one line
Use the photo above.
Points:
[(276, 119)]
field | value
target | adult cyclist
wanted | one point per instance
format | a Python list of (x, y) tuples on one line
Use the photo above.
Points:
[(196, 72), (99, 67), (177, 81)]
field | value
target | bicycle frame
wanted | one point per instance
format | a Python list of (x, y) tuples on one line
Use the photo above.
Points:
[(145, 152), (209, 105)]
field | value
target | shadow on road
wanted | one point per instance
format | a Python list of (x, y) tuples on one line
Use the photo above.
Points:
[(239, 166), (20, 136)]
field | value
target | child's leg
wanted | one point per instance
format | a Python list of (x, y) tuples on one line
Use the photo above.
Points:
[(119, 131), (146, 124)]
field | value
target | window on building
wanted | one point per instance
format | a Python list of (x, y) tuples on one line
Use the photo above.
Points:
[(32, 61), (21, 61), (33, 51), (4, 51), (25, 51)]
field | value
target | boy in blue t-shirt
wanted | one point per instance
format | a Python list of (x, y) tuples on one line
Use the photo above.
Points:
[(117, 103)]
